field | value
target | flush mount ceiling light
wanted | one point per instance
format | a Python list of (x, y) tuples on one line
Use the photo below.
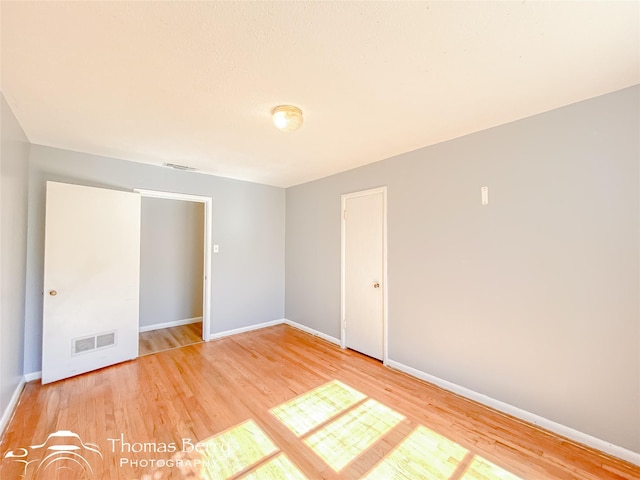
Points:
[(287, 118)]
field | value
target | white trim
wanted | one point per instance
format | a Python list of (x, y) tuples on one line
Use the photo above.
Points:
[(176, 323), (250, 328), (385, 290), (30, 377), (11, 406), (206, 284), (558, 428), (171, 195), (312, 331), (281, 321)]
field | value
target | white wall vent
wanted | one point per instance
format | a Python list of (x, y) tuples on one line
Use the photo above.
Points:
[(93, 342), (81, 345), (105, 340), (177, 166)]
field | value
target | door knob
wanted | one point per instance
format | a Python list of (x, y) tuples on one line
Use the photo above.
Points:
[(53, 293), (376, 285)]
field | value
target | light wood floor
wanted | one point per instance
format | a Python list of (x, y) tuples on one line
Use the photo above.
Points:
[(350, 418), (168, 338)]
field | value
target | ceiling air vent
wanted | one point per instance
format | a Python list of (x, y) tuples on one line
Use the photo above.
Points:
[(177, 166)]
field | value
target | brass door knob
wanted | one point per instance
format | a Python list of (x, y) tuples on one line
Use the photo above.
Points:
[(376, 285), (53, 293)]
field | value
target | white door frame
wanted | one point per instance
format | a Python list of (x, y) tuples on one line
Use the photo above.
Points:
[(343, 325), (208, 204)]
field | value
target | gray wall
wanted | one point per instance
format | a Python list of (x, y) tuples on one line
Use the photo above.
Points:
[(247, 284), (14, 168), (533, 299), (171, 260)]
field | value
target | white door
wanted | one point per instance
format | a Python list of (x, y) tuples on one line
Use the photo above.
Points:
[(363, 270), (91, 279)]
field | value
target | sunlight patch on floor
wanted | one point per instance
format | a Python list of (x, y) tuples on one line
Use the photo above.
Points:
[(278, 468), (423, 454), (344, 439), (338, 424), (235, 450), (306, 412), (426, 454), (482, 469)]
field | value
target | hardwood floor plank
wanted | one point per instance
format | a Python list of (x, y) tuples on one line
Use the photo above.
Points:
[(163, 339), (183, 396)]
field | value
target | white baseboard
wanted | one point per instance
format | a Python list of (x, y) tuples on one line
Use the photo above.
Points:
[(558, 428), (235, 331), (280, 321), (8, 412), (311, 331), (177, 323), (529, 417), (30, 377)]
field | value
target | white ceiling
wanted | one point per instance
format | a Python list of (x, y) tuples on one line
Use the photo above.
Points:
[(194, 82)]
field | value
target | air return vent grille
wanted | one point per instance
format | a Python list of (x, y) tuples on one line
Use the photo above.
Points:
[(93, 342), (177, 166), (106, 340), (82, 345)]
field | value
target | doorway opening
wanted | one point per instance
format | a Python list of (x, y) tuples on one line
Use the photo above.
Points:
[(175, 270)]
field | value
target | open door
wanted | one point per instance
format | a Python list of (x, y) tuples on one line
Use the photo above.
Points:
[(91, 279)]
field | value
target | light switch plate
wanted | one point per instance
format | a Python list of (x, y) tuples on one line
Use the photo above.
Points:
[(484, 191)]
